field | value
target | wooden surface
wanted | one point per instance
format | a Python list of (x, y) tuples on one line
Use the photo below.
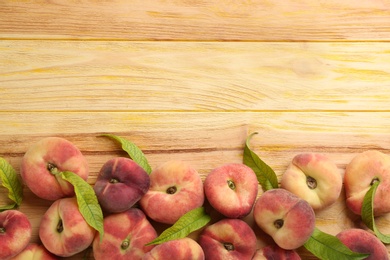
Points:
[(191, 79)]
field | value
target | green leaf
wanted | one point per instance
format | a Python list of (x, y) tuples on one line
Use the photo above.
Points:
[(87, 201), (12, 182), (189, 222), (9, 206), (328, 247), (368, 212), (133, 151), (265, 175)]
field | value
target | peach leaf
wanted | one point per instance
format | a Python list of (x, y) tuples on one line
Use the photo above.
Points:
[(133, 151), (368, 212), (10, 180), (189, 222), (328, 247), (265, 174), (87, 201)]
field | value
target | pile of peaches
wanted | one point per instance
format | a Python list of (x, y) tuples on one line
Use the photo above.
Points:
[(132, 199)]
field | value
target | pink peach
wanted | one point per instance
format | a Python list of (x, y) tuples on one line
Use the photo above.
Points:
[(15, 233), (362, 241), (231, 189), (288, 219), (125, 236), (63, 230), (228, 239), (175, 189), (44, 160)]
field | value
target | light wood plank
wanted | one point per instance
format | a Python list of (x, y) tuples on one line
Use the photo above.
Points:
[(193, 76), (255, 20), (206, 140)]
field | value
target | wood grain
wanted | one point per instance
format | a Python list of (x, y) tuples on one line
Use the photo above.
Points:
[(193, 76), (191, 80), (228, 20)]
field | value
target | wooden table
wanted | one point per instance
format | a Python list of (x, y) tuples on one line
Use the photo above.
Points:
[(191, 79)]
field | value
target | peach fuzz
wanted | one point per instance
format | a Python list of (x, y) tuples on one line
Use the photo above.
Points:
[(288, 219), (120, 184), (15, 233), (184, 248), (47, 157), (362, 241), (275, 252), (315, 178), (228, 239), (363, 169), (125, 236), (35, 251), (175, 187), (63, 230), (231, 189)]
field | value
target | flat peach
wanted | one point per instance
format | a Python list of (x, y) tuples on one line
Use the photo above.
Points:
[(175, 189), (362, 241), (314, 178), (288, 219), (360, 173)]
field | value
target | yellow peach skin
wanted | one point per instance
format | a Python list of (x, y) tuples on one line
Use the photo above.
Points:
[(314, 178), (35, 251), (184, 248)]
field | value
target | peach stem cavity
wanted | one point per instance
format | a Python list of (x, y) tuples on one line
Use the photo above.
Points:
[(311, 182), (60, 226), (231, 184), (375, 180), (52, 168), (279, 223), (113, 180), (171, 190), (125, 244), (228, 246)]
